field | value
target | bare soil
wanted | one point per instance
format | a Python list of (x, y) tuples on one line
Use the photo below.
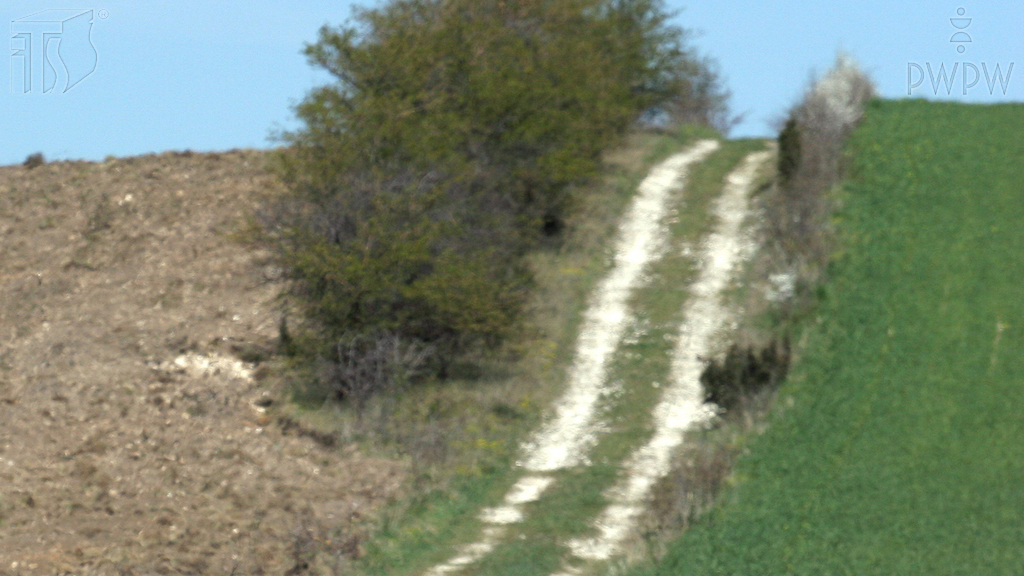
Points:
[(134, 439)]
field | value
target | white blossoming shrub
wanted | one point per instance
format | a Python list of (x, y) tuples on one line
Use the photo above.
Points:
[(810, 154), (840, 96)]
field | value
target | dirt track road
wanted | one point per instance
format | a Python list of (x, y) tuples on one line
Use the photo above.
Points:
[(564, 440)]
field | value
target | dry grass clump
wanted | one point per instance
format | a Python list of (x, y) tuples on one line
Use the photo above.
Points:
[(690, 488)]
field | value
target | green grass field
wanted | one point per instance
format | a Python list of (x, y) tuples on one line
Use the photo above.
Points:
[(898, 445)]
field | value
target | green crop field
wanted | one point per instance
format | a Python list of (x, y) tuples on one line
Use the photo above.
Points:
[(898, 442)]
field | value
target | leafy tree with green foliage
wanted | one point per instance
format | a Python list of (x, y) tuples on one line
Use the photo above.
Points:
[(521, 95), (450, 141)]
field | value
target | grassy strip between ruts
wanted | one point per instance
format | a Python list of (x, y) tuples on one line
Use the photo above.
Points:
[(482, 419), (640, 366), (899, 451)]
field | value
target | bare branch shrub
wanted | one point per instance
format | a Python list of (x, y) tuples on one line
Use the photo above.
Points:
[(810, 163), (367, 364), (689, 490)]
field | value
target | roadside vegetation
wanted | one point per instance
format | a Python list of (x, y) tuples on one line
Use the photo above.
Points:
[(893, 447), (773, 300)]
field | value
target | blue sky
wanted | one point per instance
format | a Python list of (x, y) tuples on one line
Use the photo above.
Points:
[(220, 75)]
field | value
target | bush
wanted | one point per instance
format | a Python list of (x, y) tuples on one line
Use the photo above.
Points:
[(388, 256), (810, 155), (789, 151), (733, 381), (34, 160)]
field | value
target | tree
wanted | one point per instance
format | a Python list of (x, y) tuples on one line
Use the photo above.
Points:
[(449, 143), (523, 95)]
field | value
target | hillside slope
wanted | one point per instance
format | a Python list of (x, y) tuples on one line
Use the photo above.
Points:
[(130, 441), (577, 493), (900, 450)]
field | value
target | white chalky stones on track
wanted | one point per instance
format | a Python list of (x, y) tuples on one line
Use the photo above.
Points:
[(565, 439)]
